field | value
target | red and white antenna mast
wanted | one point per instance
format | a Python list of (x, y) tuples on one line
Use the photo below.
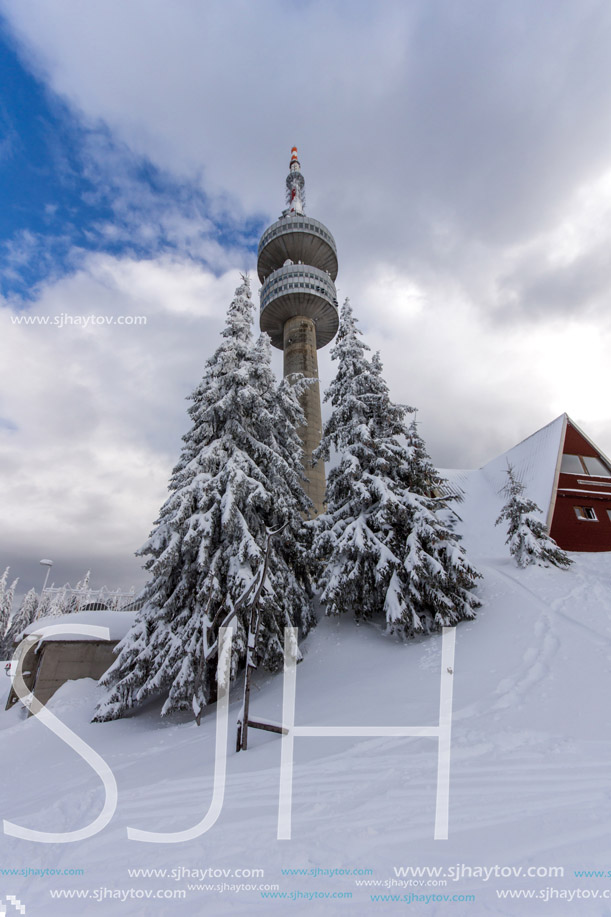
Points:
[(295, 186)]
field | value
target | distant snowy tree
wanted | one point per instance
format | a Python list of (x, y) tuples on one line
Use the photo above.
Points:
[(6, 611), (239, 474), (79, 596), (527, 537), (44, 604), (24, 616), (58, 604), (386, 541)]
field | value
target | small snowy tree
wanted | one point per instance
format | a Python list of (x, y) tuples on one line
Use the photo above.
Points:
[(239, 475), (386, 541), (24, 616), (527, 537)]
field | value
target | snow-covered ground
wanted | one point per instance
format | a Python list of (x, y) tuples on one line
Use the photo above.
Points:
[(530, 772)]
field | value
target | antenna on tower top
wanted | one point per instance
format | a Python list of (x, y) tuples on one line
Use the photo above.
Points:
[(295, 186)]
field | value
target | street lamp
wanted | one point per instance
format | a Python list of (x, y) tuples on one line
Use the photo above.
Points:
[(48, 564)]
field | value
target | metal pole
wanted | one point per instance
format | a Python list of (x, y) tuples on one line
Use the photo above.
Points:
[(48, 564), (253, 633)]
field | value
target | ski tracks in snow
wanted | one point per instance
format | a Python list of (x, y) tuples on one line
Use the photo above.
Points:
[(538, 655)]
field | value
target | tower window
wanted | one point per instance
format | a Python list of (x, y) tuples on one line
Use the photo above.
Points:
[(585, 513)]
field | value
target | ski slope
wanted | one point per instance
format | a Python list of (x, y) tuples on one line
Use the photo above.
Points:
[(530, 771)]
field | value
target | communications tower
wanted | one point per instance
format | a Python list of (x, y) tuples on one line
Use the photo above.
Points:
[(297, 266)]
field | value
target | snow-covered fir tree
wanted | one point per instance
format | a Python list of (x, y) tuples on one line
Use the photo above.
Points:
[(239, 474), (527, 537), (24, 616), (386, 539)]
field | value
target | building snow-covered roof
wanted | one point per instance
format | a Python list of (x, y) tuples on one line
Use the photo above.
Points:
[(117, 622), (535, 462)]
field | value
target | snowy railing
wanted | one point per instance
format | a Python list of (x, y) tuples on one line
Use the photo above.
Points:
[(298, 278), (296, 223), (74, 599)]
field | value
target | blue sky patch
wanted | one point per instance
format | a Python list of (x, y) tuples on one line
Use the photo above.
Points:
[(68, 188)]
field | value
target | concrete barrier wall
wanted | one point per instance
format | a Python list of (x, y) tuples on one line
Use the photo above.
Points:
[(59, 661)]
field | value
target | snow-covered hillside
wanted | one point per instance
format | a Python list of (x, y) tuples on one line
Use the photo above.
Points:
[(530, 772)]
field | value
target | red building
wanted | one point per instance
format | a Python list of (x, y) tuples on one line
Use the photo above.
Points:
[(569, 478), (580, 510)]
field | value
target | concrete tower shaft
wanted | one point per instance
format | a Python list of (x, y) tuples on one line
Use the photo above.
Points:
[(297, 266)]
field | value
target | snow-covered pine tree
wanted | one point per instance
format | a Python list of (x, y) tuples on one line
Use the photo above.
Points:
[(386, 540), (24, 616), (238, 475), (527, 537)]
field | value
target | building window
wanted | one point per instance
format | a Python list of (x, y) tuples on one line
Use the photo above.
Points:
[(586, 513), (595, 466), (578, 464), (571, 464)]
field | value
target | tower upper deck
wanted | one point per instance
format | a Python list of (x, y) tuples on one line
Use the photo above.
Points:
[(298, 238)]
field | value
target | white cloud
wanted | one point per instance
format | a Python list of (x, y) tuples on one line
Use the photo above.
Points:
[(99, 410), (479, 390)]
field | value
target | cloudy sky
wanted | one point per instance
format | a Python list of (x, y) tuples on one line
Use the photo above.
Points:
[(459, 151)]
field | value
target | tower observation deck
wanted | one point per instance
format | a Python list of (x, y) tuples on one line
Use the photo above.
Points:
[(297, 267)]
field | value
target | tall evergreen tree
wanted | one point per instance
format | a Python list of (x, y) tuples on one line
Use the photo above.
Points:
[(386, 541), (239, 474), (527, 537)]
